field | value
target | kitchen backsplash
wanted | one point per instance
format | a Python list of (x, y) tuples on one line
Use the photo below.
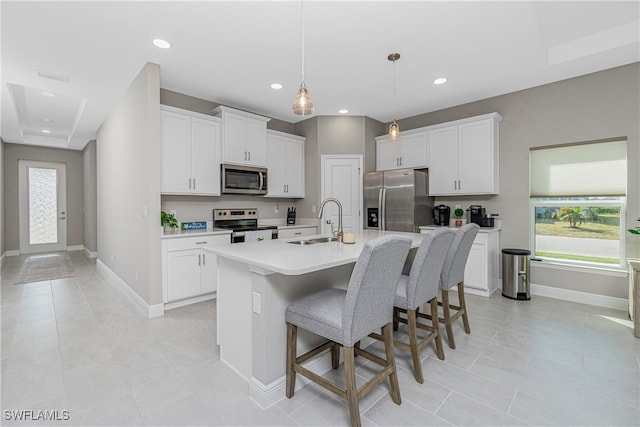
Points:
[(198, 208)]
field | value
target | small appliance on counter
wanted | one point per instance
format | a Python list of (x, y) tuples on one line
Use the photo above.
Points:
[(478, 215), (291, 216), (441, 215)]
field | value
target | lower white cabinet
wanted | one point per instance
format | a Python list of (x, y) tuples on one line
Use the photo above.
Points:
[(189, 271), (481, 272), (290, 233)]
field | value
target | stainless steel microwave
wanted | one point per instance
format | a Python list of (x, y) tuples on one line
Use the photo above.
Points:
[(240, 179)]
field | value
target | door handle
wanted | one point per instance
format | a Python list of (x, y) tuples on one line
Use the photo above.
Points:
[(204, 260)]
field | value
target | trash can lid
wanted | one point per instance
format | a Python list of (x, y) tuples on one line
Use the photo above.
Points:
[(516, 252)]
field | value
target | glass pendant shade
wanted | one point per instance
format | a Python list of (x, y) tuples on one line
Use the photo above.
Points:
[(394, 131), (303, 105)]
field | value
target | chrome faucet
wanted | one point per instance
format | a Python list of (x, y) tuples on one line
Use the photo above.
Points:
[(339, 233)]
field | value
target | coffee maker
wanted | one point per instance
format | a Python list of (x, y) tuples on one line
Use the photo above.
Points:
[(477, 214), (441, 215)]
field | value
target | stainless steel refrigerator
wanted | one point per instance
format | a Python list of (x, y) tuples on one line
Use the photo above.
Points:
[(397, 200)]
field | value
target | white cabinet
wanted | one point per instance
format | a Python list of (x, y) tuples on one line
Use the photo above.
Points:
[(190, 152), (464, 157), (285, 162), (188, 270), (409, 152), (481, 271), (290, 233), (244, 137)]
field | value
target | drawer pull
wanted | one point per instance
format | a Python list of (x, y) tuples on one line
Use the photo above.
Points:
[(201, 243)]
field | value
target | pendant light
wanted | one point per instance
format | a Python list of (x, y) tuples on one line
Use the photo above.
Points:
[(394, 129), (302, 106)]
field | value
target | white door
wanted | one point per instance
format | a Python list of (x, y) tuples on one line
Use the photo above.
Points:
[(342, 179), (42, 206)]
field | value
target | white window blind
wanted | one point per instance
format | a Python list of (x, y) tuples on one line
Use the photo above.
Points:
[(578, 170)]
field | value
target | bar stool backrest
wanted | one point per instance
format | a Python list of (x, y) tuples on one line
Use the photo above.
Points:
[(369, 301), (456, 261)]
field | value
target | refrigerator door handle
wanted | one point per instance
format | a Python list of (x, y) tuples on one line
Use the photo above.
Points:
[(383, 210)]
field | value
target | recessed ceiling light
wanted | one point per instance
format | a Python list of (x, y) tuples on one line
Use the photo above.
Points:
[(45, 131), (49, 94), (343, 111), (47, 120), (162, 44), (439, 81), (276, 86)]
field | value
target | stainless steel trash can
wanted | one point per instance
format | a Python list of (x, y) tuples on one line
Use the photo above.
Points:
[(515, 274)]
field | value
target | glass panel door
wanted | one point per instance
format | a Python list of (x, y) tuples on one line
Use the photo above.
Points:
[(42, 207)]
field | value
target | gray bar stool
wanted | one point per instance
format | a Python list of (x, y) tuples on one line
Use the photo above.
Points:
[(344, 317), (417, 288), (453, 275)]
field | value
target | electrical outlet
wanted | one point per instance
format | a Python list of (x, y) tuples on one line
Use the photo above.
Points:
[(276, 209), (256, 303)]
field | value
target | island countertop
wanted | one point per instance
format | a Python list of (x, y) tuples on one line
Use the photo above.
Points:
[(289, 259)]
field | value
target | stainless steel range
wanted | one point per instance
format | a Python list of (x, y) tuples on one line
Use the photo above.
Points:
[(244, 225)]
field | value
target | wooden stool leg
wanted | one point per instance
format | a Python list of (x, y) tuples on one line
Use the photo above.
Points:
[(436, 327), (292, 338), (447, 318), (335, 356), (393, 377), (463, 307), (413, 344), (351, 389), (395, 318)]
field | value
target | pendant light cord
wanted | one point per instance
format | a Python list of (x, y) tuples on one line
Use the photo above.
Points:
[(394, 91), (302, 37)]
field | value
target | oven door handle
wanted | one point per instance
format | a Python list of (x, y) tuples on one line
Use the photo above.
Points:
[(261, 185)]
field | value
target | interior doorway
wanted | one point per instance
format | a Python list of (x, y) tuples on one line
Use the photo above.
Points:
[(341, 178), (42, 201)]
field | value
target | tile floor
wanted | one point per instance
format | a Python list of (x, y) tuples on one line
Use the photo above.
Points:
[(79, 345)]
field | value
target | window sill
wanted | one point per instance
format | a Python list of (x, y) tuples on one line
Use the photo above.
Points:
[(605, 271)]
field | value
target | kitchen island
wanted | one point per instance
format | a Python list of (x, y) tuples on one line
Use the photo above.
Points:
[(256, 283)]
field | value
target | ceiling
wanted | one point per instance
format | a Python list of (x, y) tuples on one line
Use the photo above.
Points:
[(87, 54)]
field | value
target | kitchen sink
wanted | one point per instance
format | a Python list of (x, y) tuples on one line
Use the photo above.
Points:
[(323, 239), (314, 241), (302, 242)]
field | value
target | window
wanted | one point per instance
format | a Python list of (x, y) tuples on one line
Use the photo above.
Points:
[(577, 195)]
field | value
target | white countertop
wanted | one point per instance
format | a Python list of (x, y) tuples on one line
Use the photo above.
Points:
[(498, 227), (289, 259), (194, 233)]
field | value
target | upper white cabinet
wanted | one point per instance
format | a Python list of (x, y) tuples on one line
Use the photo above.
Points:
[(244, 137), (190, 152), (464, 156), (285, 162), (409, 152)]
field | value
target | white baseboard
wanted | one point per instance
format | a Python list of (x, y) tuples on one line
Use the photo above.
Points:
[(188, 301), (15, 252), (581, 297), (150, 311), (89, 253), (75, 248)]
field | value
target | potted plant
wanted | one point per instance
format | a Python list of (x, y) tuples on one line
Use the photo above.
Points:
[(458, 214), (168, 221), (635, 230)]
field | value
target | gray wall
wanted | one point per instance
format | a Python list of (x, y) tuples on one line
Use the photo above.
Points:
[(128, 187), (2, 199), (591, 107), (90, 208), (72, 159)]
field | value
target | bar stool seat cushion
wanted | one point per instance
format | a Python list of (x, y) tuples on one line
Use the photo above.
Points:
[(320, 313)]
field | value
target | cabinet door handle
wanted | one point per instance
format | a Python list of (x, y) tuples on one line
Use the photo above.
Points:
[(459, 186), (199, 260), (194, 183), (189, 183), (249, 156), (455, 184), (202, 243), (245, 155), (204, 259), (400, 161), (298, 233), (284, 188)]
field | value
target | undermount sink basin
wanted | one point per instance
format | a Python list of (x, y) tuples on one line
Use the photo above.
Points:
[(323, 239), (302, 242), (313, 241)]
